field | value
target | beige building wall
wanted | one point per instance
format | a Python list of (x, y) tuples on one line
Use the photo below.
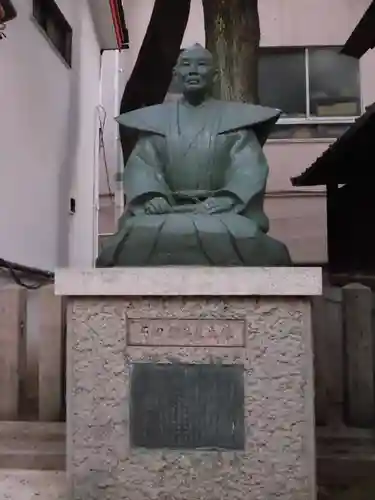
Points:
[(298, 216)]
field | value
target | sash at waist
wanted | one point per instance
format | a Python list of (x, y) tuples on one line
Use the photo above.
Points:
[(193, 194)]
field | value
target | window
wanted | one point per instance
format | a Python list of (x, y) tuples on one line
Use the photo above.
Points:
[(318, 90), (57, 29)]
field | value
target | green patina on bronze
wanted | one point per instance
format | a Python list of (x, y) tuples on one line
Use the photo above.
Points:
[(195, 181)]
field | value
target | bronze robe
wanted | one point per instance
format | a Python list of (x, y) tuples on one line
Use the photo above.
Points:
[(186, 155)]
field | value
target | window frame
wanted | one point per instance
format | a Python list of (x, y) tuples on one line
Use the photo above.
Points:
[(59, 20), (308, 119)]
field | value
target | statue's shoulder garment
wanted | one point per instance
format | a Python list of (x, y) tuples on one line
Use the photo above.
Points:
[(232, 116)]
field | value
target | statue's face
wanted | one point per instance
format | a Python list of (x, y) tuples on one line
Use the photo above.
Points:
[(195, 70)]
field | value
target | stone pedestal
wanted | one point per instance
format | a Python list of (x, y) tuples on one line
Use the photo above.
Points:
[(190, 383)]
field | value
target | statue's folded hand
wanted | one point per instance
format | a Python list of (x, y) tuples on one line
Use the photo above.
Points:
[(157, 205), (214, 205)]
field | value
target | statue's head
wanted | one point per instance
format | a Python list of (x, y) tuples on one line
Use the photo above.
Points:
[(195, 70)]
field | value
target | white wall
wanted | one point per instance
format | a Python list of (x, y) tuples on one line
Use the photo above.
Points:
[(38, 102), (115, 73), (84, 120)]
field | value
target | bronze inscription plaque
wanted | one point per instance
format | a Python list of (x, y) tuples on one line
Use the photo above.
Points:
[(191, 406)]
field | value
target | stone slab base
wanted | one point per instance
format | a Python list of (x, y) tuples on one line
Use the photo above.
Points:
[(32, 485), (32, 445)]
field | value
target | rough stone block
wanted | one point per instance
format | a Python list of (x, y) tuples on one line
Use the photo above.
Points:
[(270, 337)]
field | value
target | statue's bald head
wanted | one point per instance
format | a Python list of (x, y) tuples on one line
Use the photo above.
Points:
[(196, 51), (195, 70)]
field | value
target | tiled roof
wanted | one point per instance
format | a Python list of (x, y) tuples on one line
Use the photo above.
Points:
[(363, 37), (348, 159)]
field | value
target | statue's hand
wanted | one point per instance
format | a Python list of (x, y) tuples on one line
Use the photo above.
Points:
[(220, 204), (157, 205)]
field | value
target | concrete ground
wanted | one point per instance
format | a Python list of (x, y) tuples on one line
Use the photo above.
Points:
[(51, 485), (32, 485)]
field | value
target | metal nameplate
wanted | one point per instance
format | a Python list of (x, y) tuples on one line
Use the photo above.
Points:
[(186, 332)]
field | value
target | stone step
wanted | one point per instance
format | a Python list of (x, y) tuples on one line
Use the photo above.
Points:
[(32, 446), (345, 470), (27, 485), (345, 456), (346, 442)]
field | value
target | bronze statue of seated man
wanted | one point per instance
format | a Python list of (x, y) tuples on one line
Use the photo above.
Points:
[(195, 181)]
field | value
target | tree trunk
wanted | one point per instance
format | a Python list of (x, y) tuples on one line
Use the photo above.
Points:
[(233, 36), (152, 73)]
